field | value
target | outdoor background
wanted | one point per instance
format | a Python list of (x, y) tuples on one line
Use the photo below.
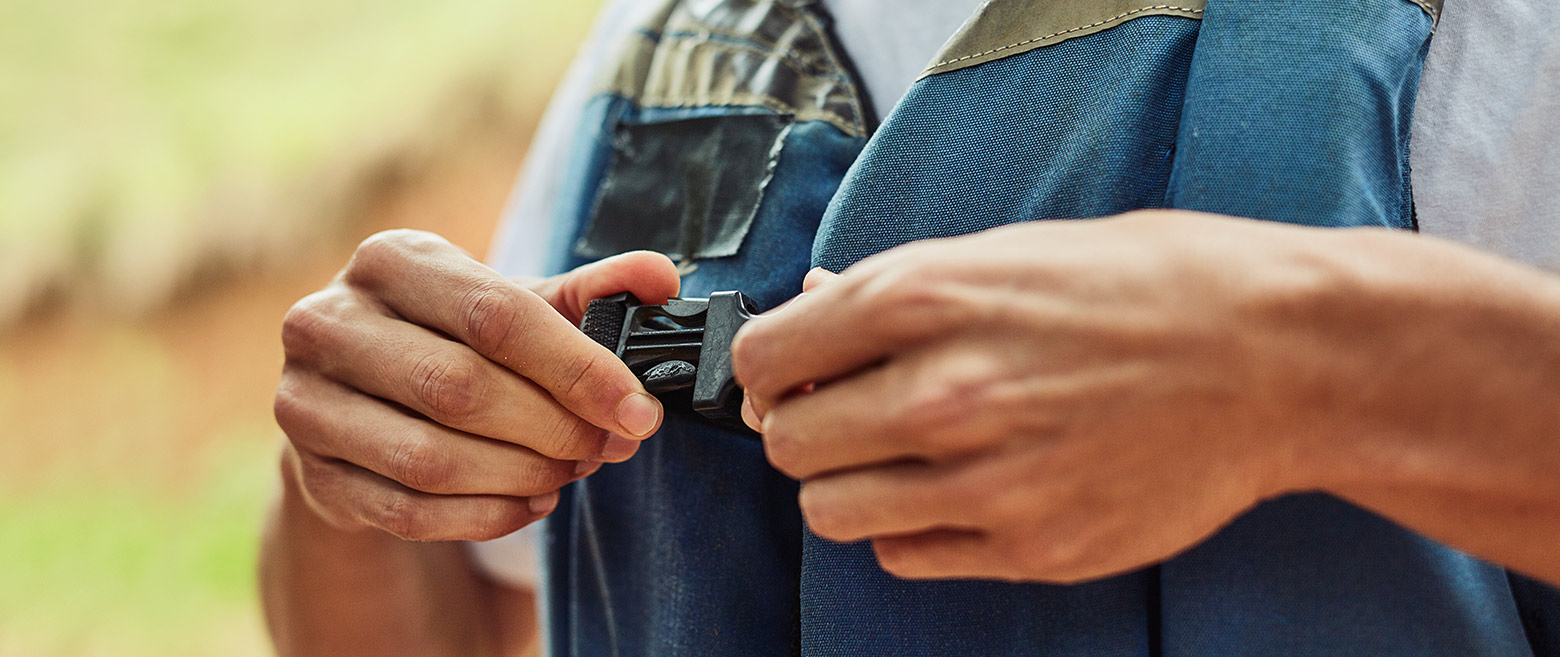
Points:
[(173, 175)]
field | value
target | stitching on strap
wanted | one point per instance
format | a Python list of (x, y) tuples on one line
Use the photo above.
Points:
[(1079, 29), (1435, 16), (845, 124)]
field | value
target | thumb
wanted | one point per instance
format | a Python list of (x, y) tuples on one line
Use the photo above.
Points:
[(649, 276)]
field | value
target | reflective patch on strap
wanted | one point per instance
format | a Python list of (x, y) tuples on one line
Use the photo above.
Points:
[(688, 189), (752, 53)]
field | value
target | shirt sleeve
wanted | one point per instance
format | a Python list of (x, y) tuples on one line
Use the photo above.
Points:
[(519, 248), (1486, 160), (511, 560)]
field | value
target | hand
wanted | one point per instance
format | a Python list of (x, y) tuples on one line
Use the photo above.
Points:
[(1056, 401), (427, 396)]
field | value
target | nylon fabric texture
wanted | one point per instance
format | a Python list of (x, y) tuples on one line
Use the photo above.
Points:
[(1289, 111), (1078, 138), (1084, 128)]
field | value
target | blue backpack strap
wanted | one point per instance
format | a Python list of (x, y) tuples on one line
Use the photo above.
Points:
[(1299, 111), (1283, 110), (1539, 605), (1082, 124)]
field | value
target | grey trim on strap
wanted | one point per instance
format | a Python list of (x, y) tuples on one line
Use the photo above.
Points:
[(1004, 28)]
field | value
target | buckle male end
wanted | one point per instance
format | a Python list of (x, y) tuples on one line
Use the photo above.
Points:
[(680, 350)]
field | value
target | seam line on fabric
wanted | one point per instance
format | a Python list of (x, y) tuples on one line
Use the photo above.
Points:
[(1070, 31), (747, 100)]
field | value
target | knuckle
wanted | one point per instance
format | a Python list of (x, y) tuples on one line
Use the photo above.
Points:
[(381, 251), (502, 519), (448, 387), (583, 374), (288, 408), (492, 314), (944, 404), (420, 463), (544, 476), (314, 474), (1012, 505), (399, 513), (956, 407), (1040, 559), (570, 438), (914, 300), (306, 325), (320, 483), (745, 355), (395, 242), (781, 446), (904, 283), (823, 518), (932, 303)]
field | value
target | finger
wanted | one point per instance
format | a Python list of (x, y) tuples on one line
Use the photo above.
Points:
[(848, 423), (890, 500), (926, 404), (849, 323), (431, 283), (763, 344), (452, 385), (941, 554), (346, 491), (651, 277), (333, 421), (817, 276), (749, 415), (760, 406)]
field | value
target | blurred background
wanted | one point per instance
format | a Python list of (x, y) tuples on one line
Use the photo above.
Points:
[(173, 175)]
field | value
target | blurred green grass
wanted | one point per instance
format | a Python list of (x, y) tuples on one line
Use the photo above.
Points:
[(141, 142), (100, 568)]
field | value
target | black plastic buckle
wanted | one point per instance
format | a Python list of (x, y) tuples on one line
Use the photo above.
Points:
[(680, 350)]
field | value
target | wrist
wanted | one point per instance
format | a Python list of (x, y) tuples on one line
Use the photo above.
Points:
[(329, 590), (1428, 359)]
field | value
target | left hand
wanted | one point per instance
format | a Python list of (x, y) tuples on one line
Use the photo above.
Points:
[(1053, 401)]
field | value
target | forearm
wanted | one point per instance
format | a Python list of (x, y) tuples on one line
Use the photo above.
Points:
[(332, 592), (1448, 407)]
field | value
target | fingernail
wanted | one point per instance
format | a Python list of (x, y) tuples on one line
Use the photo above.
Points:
[(543, 504), (583, 468), (618, 448), (750, 416), (639, 414)]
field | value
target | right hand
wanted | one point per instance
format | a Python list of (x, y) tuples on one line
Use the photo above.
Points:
[(429, 397)]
